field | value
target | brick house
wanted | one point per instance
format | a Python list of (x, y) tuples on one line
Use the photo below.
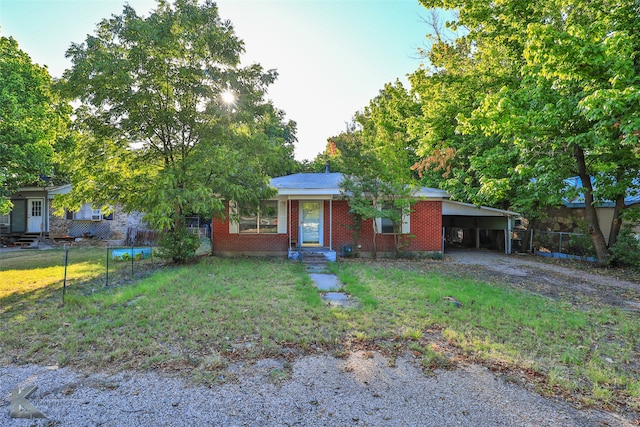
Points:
[(310, 213)]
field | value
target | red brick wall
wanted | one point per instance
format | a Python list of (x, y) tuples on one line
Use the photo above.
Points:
[(426, 225), (225, 243)]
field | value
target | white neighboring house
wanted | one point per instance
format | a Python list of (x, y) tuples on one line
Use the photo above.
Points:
[(32, 215)]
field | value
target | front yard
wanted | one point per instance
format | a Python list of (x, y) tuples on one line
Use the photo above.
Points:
[(196, 320)]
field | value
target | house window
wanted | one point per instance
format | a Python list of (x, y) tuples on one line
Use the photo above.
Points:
[(36, 208), (385, 225), (88, 213), (260, 221), (4, 219)]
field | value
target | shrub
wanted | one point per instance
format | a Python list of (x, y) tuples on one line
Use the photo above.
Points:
[(626, 250), (580, 244), (178, 245)]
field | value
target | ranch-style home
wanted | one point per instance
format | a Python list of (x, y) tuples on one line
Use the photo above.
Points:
[(310, 213)]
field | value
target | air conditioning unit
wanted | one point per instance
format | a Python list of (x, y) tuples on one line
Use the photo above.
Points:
[(96, 215)]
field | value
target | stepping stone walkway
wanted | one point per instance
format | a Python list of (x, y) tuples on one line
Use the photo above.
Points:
[(329, 284)]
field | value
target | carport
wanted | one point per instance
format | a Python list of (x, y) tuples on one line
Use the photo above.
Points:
[(467, 225)]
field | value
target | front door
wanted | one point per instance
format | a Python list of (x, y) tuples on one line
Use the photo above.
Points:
[(311, 223), (35, 215)]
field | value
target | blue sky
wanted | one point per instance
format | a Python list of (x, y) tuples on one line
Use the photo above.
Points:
[(332, 56)]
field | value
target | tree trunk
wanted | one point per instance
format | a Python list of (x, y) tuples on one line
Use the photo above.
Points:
[(616, 221), (591, 215)]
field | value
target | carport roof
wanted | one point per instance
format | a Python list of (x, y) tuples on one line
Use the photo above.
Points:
[(450, 207)]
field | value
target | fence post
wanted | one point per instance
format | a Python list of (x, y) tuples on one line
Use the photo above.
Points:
[(560, 248), (107, 280), (64, 282)]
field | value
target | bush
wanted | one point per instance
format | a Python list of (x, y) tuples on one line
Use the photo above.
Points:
[(626, 250), (580, 244), (178, 245)]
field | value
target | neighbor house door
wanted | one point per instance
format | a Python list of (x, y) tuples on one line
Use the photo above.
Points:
[(35, 215), (311, 226)]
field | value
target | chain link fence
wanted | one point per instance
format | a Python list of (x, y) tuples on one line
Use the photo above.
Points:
[(88, 268), (563, 245)]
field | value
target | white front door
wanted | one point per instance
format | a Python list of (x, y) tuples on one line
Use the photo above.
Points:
[(35, 215), (311, 223)]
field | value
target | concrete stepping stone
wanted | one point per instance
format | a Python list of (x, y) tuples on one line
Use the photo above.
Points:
[(326, 282), (339, 299)]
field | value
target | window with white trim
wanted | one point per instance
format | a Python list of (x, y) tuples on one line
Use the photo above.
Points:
[(88, 213), (263, 220), (385, 225), (4, 219), (270, 218)]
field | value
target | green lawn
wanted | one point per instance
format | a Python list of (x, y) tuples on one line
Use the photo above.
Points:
[(199, 318)]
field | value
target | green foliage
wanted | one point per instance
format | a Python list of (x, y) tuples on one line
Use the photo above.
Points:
[(532, 94), (376, 154), (32, 119), (178, 245), (580, 244), (156, 133), (626, 250)]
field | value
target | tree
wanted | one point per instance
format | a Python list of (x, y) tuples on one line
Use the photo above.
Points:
[(470, 166), (31, 121), (376, 154), (170, 124), (571, 107)]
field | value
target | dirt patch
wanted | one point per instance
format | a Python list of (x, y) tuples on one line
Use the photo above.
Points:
[(582, 284)]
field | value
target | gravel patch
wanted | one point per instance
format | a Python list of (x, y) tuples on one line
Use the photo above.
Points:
[(360, 390)]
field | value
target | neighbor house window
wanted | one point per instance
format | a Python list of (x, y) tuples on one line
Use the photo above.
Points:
[(261, 220), (4, 219), (87, 213)]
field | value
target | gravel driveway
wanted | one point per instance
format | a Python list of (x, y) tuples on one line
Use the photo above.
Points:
[(361, 390), (321, 390)]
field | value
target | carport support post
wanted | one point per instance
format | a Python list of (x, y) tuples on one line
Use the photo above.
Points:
[(477, 237), (507, 237)]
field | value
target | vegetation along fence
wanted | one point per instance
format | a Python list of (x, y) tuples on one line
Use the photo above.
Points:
[(562, 245), (73, 270), (88, 268)]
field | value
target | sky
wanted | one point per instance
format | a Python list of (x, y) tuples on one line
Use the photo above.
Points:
[(332, 56)]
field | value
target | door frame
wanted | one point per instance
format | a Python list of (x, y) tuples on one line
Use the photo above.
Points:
[(320, 223)]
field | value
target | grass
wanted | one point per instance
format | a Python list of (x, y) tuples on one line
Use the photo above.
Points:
[(200, 318)]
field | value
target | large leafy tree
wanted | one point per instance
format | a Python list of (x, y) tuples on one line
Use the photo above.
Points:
[(376, 154), (32, 120), (571, 107), (171, 125), (470, 166)]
